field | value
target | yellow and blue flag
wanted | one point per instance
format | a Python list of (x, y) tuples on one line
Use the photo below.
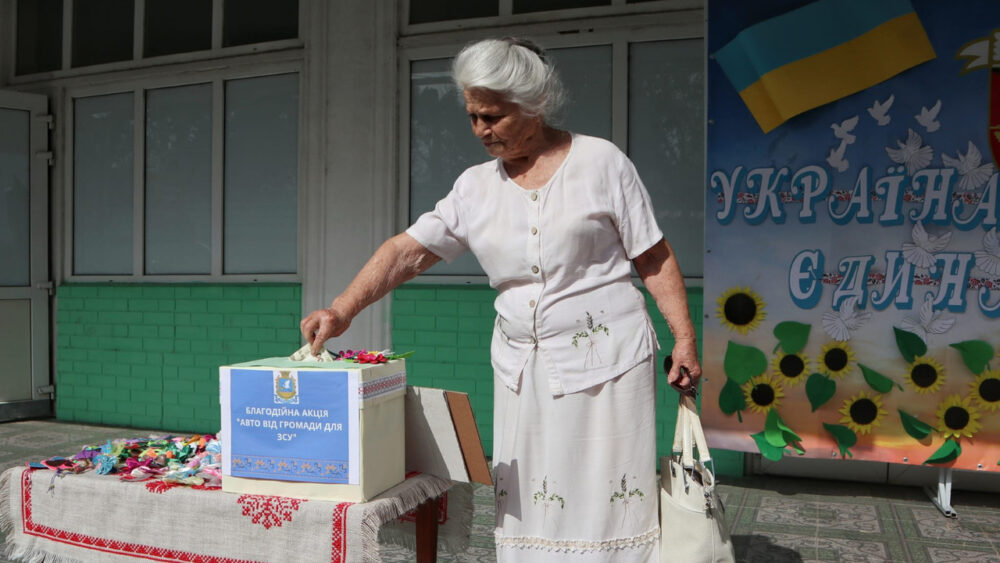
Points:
[(821, 52)]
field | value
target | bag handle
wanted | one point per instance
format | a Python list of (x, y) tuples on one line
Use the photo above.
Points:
[(693, 428), (681, 430)]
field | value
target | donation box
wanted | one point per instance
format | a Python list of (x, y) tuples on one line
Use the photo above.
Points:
[(315, 430)]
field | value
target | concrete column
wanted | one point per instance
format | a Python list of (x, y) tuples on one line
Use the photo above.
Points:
[(349, 187)]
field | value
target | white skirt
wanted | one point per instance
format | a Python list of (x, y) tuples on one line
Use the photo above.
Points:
[(576, 474)]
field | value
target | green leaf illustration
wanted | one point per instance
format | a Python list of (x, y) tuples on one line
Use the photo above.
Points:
[(913, 426), (743, 362), (910, 345), (777, 433), (844, 436), (949, 451), (767, 450), (877, 381), (731, 398), (975, 354), (819, 390), (792, 336)]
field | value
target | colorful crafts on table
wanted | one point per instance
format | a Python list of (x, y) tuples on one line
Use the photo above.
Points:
[(184, 460)]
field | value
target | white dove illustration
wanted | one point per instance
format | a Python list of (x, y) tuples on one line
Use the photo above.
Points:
[(843, 129), (840, 324), (988, 259), (880, 111), (928, 117), (836, 158), (921, 251), (928, 322), (914, 154), (971, 171)]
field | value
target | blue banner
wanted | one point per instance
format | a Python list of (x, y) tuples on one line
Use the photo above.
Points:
[(852, 267), (292, 425)]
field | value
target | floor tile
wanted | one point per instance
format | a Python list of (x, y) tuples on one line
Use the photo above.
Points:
[(968, 527), (938, 554)]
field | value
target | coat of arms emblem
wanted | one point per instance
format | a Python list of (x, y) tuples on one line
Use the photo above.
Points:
[(286, 389)]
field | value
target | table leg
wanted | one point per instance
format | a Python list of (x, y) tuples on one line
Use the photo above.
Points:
[(427, 531)]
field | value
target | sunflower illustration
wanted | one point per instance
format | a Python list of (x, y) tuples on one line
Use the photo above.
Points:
[(835, 359), (740, 309), (791, 369), (958, 417), (763, 393), (925, 375), (986, 390), (862, 412)]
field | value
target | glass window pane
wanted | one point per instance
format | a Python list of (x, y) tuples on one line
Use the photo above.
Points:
[(177, 26), (179, 180), (524, 6), (667, 139), (424, 11), (256, 21), (441, 146), (39, 35), (15, 248), (102, 31), (586, 74), (261, 175), (103, 160)]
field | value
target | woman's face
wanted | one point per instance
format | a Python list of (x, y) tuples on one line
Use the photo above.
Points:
[(505, 131)]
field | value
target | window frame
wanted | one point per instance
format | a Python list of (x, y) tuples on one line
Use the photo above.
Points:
[(685, 20), (506, 17), (253, 67), (138, 61)]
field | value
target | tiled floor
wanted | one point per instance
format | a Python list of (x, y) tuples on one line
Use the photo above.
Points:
[(773, 520)]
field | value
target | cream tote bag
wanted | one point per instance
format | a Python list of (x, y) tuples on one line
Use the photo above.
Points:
[(692, 519)]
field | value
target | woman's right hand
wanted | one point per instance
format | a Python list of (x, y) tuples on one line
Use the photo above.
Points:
[(322, 325)]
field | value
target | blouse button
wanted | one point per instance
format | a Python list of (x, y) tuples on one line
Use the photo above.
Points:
[(534, 196), (531, 303), (534, 230), (534, 269)]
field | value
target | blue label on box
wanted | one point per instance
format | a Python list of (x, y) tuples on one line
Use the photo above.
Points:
[(292, 425)]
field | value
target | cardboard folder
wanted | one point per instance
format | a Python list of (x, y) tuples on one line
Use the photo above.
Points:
[(442, 438)]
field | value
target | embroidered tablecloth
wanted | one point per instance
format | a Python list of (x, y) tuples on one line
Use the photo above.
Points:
[(90, 517)]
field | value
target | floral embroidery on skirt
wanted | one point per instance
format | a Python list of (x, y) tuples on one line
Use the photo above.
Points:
[(576, 473)]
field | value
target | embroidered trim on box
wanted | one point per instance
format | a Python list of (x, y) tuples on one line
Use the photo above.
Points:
[(389, 384), (576, 546)]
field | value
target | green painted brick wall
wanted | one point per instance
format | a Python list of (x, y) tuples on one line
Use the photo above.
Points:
[(147, 355), (450, 327)]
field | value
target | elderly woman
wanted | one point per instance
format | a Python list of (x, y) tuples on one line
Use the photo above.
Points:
[(556, 219)]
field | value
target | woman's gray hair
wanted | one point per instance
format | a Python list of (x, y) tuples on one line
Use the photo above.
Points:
[(515, 68)]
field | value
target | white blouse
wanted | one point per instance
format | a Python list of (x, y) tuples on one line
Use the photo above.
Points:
[(560, 258)]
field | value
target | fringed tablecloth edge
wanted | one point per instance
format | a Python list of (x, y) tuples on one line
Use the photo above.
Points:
[(460, 519), (392, 504), (6, 520), (12, 549)]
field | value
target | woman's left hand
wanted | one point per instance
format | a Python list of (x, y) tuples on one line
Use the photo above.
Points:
[(685, 354)]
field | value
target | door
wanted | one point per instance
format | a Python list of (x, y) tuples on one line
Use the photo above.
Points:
[(25, 381)]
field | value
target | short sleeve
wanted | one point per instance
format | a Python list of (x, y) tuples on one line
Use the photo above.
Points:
[(634, 211), (442, 231)]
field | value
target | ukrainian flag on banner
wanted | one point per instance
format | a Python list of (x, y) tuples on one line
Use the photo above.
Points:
[(821, 52)]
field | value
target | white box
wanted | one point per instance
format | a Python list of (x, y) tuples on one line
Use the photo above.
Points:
[(328, 431)]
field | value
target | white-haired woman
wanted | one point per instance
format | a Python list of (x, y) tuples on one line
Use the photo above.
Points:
[(556, 220)]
